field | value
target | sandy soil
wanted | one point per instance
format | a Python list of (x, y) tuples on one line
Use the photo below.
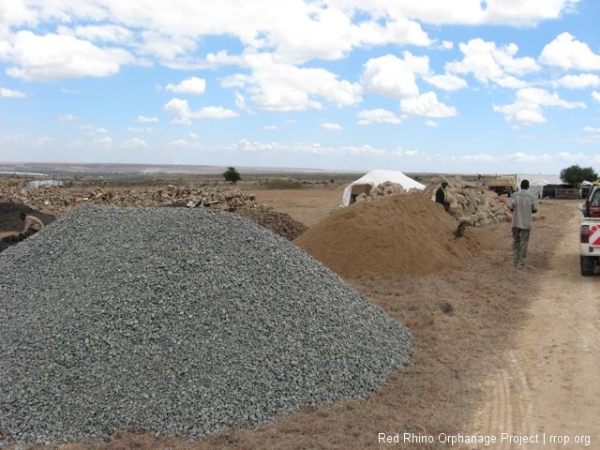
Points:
[(548, 388), (305, 205)]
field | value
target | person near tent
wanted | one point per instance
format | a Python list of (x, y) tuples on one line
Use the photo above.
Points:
[(523, 204), (31, 226), (441, 196)]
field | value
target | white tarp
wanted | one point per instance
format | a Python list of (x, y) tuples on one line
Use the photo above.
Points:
[(536, 187), (373, 179)]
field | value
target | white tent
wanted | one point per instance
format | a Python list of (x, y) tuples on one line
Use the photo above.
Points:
[(536, 187), (373, 179)]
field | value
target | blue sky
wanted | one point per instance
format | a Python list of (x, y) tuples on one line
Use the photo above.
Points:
[(496, 86)]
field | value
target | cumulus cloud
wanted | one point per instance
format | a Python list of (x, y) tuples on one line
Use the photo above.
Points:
[(393, 77), (427, 105), (181, 112), (582, 81), (104, 142), (331, 126), (489, 63), (178, 143), (447, 82), (100, 33), (145, 119), (68, 118), (379, 115), (139, 130), (53, 57), (276, 86), (193, 85), (596, 96), (527, 108), (568, 53), (9, 93), (133, 143)]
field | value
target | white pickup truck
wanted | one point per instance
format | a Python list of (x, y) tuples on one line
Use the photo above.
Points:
[(589, 236)]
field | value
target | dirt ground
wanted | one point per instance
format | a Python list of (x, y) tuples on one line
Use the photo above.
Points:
[(496, 350)]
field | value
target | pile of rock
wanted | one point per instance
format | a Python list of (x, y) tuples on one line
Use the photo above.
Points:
[(279, 223), (471, 202), (176, 321), (382, 190), (56, 201)]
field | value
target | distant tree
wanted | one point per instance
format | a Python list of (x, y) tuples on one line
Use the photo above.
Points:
[(574, 175), (232, 175)]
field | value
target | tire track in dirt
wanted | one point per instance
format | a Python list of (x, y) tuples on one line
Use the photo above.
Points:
[(549, 385)]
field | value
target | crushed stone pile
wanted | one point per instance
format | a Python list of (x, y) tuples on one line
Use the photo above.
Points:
[(395, 236), (279, 223), (471, 202), (179, 321)]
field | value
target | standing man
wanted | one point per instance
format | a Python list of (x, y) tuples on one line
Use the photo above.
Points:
[(523, 204), (441, 196)]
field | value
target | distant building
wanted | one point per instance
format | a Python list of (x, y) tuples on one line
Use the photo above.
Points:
[(40, 183), (544, 186)]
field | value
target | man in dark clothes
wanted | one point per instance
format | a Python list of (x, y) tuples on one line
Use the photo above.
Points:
[(441, 196)]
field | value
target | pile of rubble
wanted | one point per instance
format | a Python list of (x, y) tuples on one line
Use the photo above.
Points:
[(279, 223), (383, 190), (471, 202), (57, 201)]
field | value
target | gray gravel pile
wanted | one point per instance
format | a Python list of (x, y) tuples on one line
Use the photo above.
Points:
[(181, 321)]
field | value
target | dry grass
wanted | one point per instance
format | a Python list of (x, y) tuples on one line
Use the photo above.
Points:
[(462, 320)]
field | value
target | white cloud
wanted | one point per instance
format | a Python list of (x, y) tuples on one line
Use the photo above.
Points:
[(283, 87), (447, 82), (9, 93), (181, 112), (104, 142), (53, 57), (427, 105), (582, 81), (100, 33), (178, 143), (567, 52), (331, 126), (596, 96), (193, 85), (139, 129), (431, 123), (447, 45), (145, 119), (133, 143), (392, 77), (527, 108), (270, 127), (591, 129), (492, 64), (379, 115), (68, 118)]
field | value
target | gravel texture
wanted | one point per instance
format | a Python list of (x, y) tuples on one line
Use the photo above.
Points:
[(175, 320)]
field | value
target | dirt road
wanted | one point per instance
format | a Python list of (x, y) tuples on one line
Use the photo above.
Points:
[(548, 392)]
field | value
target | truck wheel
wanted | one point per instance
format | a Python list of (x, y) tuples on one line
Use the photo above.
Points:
[(588, 264)]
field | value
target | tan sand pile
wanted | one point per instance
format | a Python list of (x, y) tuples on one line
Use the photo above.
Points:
[(397, 235)]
